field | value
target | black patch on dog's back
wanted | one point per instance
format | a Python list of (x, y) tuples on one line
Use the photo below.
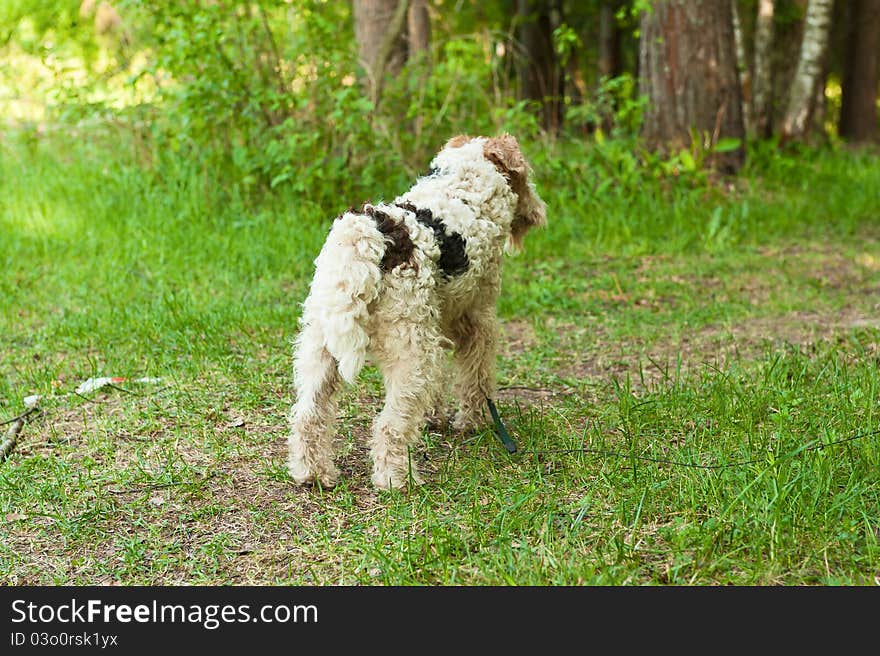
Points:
[(400, 250), (453, 256)]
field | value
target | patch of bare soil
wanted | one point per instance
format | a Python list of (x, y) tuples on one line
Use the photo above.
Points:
[(517, 336), (851, 279), (716, 345)]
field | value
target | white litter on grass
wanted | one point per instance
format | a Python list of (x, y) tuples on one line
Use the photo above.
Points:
[(93, 384), (30, 403)]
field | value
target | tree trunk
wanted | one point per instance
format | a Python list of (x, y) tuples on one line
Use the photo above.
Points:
[(418, 34), (762, 81), (379, 31), (820, 104), (541, 78), (688, 68), (808, 76), (858, 112), (788, 32), (418, 28), (609, 40), (742, 64)]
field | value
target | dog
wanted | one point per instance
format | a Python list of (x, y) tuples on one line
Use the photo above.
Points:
[(403, 282)]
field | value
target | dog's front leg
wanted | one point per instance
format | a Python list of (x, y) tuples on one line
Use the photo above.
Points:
[(475, 335)]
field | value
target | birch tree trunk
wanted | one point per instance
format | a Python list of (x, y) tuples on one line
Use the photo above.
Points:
[(745, 77), (802, 97), (762, 81), (688, 71)]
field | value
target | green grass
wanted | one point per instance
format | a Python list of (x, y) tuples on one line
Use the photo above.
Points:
[(667, 319)]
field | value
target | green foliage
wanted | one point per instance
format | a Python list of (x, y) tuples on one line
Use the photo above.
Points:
[(634, 9), (46, 28), (57, 38), (615, 107), (565, 41), (268, 96), (260, 92), (697, 159)]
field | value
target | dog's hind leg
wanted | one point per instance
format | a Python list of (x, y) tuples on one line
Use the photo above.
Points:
[(475, 335), (313, 416), (412, 371)]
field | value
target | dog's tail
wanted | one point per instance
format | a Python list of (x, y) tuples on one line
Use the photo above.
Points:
[(347, 279)]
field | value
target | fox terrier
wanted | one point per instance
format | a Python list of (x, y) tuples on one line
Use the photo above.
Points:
[(401, 282)]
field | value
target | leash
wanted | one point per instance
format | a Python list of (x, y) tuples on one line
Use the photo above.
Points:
[(501, 429), (815, 445)]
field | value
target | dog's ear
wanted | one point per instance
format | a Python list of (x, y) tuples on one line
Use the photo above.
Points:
[(458, 141), (530, 213), (504, 153)]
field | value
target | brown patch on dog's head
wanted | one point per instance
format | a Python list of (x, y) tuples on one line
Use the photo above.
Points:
[(458, 141), (504, 153)]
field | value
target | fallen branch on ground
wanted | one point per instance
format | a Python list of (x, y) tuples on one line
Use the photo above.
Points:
[(9, 443)]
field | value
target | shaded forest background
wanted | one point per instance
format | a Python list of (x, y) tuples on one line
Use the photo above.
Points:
[(304, 92)]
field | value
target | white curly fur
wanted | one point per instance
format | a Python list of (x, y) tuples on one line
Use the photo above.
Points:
[(403, 318)]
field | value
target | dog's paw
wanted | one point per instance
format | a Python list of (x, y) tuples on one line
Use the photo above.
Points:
[(395, 479), (437, 423), (464, 422), (302, 474)]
